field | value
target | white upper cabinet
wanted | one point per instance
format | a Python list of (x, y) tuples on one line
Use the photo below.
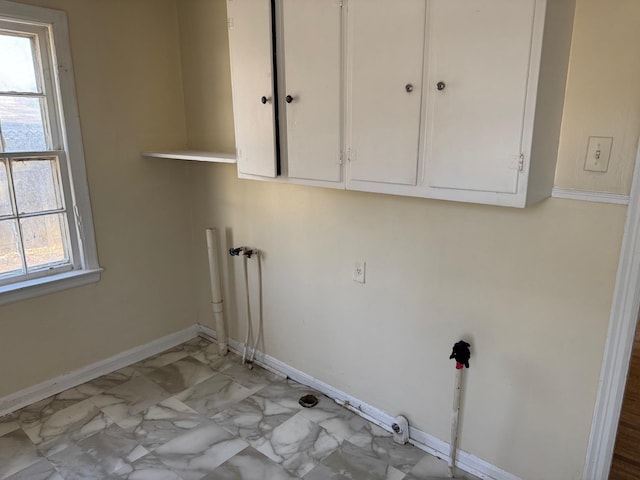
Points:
[(250, 46), (449, 99), (385, 67), (479, 58), (495, 92), (311, 89)]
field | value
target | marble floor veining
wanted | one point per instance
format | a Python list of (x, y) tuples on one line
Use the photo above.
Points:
[(190, 414)]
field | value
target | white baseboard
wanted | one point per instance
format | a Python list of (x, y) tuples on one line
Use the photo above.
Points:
[(424, 441), (43, 390)]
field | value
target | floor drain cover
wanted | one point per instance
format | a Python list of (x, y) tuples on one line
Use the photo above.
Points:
[(308, 401)]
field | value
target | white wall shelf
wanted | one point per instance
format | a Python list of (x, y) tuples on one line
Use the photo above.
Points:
[(193, 155)]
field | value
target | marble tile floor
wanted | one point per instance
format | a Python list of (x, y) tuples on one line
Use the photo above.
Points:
[(189, 414)]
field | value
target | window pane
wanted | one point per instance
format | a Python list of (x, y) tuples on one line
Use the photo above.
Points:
[(45, 240), (17, 70), (37, 185), (10, 261), (22, 124), (5, 200)]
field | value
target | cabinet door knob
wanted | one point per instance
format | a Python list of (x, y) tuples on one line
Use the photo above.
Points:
[(441, 86), (264, 100), (289, 99), (408, 87)]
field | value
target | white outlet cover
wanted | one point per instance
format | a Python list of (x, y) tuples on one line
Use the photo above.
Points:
[(359, 271)]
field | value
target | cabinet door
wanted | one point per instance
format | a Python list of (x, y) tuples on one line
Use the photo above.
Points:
[(312, 39), (480, 51), (385, 62), (250, 45)]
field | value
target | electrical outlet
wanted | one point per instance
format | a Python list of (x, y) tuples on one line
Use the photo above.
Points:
[(359, 269)]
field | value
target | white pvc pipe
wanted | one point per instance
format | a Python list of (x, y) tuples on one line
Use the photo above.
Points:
[(454, 422), (216, 295)]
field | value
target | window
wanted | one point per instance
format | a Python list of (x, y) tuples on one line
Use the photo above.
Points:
[(46, 232)]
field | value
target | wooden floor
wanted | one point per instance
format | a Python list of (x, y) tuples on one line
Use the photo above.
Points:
[(626, 456)]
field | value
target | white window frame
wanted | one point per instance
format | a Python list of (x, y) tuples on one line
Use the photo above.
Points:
[(53, 33)]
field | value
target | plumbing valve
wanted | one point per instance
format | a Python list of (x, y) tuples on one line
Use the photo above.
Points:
[(462, 354), (247, 251)]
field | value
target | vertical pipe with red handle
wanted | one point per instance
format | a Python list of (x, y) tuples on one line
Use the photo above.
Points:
[(462, 354), (454, 422)]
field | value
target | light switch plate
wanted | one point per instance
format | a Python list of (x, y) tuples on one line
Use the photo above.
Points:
[(598, 154), (359, 270)]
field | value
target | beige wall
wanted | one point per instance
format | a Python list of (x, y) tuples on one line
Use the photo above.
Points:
[(603, 94), (126, 61), (204, 54), (531, 289)]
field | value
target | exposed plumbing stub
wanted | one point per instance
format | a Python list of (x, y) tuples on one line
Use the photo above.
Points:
[(400, 429), (308, 401)]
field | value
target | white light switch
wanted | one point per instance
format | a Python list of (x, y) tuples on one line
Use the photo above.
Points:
[(598, 154)]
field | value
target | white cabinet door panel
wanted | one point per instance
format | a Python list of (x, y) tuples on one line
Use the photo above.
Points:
[(250, 41), (386, 46), (312, 33), (480, 50)]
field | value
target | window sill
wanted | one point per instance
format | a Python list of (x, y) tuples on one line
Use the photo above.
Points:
[(45, 285)]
